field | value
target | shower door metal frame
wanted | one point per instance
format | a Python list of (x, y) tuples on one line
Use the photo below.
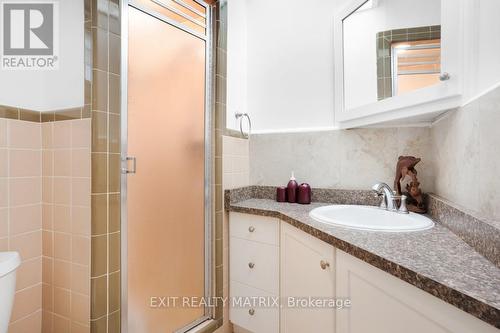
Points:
[(208, 209)]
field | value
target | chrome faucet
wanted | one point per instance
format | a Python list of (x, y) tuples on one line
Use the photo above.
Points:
[(390, 199)]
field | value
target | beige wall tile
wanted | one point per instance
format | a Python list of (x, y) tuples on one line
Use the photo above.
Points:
[(61, 324), (47, 216), (47, 163), (28, 245), (62, 302), (80, 221), (467, 139), (47, 303), (4, 192), (80, 279), (48, 243), (62, 218), (24, 134), (47, 270), (47, 321), (4, 222), (62, 191), (26, 302), (3, 133), (48, 190), (62, 246), (62, 134), (4, 162), (62, 274), (25, 219), (24, 163), (25, 191), (80, 308), (30, 324), (80, 163), (80, 133), (62, 162), (4, 244), (29, 273), (80, 192), (47, 135), (80, 250), (79, 328)]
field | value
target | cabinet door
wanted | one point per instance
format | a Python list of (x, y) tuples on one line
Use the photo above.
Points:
[(307, 270), (382, 303)]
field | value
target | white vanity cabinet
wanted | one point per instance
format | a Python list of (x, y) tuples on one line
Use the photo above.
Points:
[(273, 260), (383, 303), (307, 270), (254, 272)]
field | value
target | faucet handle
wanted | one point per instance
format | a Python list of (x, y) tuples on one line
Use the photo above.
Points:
[(402, 207), (383, 202)]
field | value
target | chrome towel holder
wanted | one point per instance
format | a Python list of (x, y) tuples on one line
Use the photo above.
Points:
[(241, 116)]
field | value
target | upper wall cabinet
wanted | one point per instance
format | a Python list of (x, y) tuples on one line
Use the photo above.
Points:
[(397, 61)]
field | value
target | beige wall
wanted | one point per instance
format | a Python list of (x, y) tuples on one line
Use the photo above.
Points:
[(20, 217), (45, 216), (466, 146), (66, 226), (347, 159)]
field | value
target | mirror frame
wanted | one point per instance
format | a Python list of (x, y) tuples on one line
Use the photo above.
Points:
[(421, 105)]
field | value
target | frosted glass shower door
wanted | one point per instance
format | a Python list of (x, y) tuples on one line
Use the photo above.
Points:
[(166, 195)]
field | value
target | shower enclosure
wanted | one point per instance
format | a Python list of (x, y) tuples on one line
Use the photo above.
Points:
[(166, 204)]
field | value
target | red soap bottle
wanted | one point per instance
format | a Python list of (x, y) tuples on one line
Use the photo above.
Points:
[(304, 194), (291, 189)]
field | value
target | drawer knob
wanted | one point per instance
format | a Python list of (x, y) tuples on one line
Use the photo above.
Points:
[(251, 312), (251, 265), (251, 228), (324, 264)]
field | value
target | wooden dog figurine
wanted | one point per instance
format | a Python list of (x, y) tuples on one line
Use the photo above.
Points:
[(406, 167)]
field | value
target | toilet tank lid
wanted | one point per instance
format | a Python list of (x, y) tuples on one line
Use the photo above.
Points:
[(9, 261)]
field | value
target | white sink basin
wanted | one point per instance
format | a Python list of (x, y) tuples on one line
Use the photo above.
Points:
[(370, 218)]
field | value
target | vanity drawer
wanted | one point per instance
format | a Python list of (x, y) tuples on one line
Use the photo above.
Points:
[(256, 228), (254, 264), (256, 319)]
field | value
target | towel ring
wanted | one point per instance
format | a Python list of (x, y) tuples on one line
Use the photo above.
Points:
[(240, 116)]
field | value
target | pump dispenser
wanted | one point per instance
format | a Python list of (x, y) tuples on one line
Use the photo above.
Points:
[(291, 189)]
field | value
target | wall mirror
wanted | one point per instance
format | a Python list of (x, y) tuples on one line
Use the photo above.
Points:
[(392, 56)]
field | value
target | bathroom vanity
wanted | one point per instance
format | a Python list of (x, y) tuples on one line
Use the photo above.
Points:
[(395, 282)]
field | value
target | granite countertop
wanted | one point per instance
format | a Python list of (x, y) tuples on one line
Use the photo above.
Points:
[(435, 260)]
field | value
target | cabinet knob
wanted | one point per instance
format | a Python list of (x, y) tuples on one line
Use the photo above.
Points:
[(444, 77), (251, 228), (324, 264), (251, 312), (251, 265)]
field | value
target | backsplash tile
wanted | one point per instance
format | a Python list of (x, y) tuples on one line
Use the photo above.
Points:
[(350, 159), (465, 145)]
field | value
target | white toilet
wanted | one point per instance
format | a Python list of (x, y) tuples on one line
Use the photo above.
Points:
[(9, 262)]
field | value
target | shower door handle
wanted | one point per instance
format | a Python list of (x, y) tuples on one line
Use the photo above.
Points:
[(127, 159)]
